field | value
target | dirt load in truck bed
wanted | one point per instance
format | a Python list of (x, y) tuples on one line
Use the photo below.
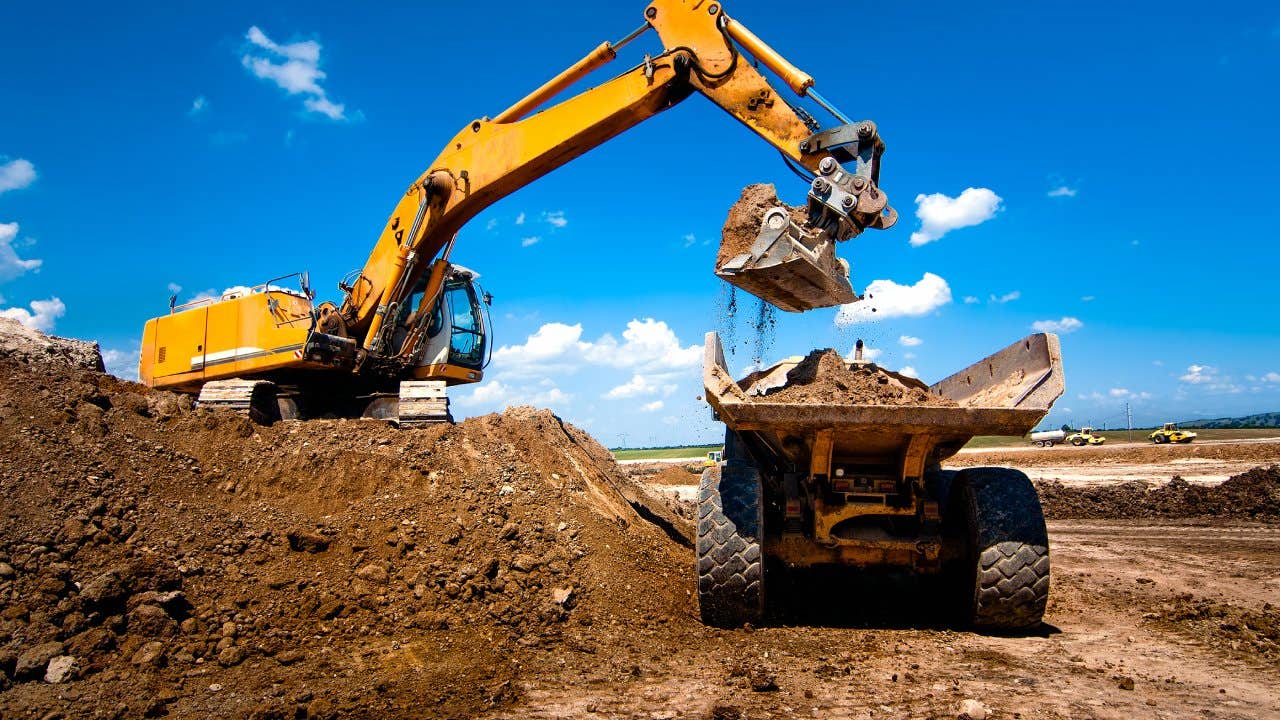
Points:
[(824, 377)]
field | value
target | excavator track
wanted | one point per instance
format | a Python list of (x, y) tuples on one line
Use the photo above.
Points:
[(423, 402), (252, 398)]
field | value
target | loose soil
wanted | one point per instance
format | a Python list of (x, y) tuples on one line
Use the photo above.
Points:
[(157, 560), (192, 563), (1117, 456), (25, 345), (1251, 495), (742, 226), (824, 377)]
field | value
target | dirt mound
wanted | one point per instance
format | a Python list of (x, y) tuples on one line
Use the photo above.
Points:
[(22, 344), (824, 377), (1103, 455), (164, 560), (1254, 494), (677, 475), (1229, 628)]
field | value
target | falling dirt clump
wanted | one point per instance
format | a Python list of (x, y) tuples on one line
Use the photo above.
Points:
[(167, 560), (743, 224), (824, 377), (1251, 495)]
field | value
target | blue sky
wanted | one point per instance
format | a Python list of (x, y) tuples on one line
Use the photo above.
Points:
[(1119, 160)]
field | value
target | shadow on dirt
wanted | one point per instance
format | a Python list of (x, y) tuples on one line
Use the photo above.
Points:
[(887, 599)]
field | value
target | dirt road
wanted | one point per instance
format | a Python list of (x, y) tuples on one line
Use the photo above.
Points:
[(1120, 643)]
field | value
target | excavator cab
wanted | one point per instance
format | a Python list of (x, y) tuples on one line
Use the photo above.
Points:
[(456, 347)]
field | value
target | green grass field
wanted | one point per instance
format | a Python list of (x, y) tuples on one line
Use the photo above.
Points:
[(999, 441), (665, 453)]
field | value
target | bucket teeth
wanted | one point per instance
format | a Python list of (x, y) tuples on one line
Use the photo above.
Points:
[(791, 267)]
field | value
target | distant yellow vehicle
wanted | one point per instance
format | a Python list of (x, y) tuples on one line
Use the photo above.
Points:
[(1085, 437), (1171, 434), (713, 458)]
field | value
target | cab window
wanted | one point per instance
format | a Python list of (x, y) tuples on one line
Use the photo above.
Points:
[(466, 344)]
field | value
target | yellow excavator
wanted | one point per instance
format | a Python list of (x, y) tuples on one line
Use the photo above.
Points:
[(411, 322)]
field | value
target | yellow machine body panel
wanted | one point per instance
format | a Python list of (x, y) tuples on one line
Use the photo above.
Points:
[(244, 335)]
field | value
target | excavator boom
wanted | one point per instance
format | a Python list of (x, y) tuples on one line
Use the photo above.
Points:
[(792, 266)]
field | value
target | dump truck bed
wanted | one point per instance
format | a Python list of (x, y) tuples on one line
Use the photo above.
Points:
[(1007, 393)]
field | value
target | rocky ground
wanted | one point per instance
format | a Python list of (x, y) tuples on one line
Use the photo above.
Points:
[(157, 560)]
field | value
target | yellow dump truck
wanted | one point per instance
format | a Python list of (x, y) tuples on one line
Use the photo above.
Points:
[(862, 485)]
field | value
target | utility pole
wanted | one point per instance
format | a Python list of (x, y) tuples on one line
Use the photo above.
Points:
[(1128, 419), (624, 440)]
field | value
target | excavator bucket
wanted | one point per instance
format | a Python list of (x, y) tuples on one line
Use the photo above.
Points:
[(788, 265)]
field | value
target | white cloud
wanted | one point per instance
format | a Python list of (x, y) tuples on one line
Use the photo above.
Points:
[(909, 341), (198, 106), (12, 266), (16, 174), (909, 356), (940, 214), (1199, 374), (909, 372), (122, 363), (649, 346), (174, 288), (654, 406), (971, 300), (1063, 191), (555, 219), (1063, 326), (641, 385), (868, 353), (1209, 378), (294, 68), (42, 315), (1087, 298), (520, 219), (497, 394), (1271, 377), (1127, 394), (530, 241), (887, 299), (690, 239), (1007, 297), (552, 341), (493, 223)]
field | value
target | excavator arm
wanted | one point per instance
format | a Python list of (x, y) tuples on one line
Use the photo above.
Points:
[(704, 52)]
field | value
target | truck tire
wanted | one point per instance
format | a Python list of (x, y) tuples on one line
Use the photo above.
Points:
[(1160, 439), (1002, 576), (730, 524), (1077, 441)]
